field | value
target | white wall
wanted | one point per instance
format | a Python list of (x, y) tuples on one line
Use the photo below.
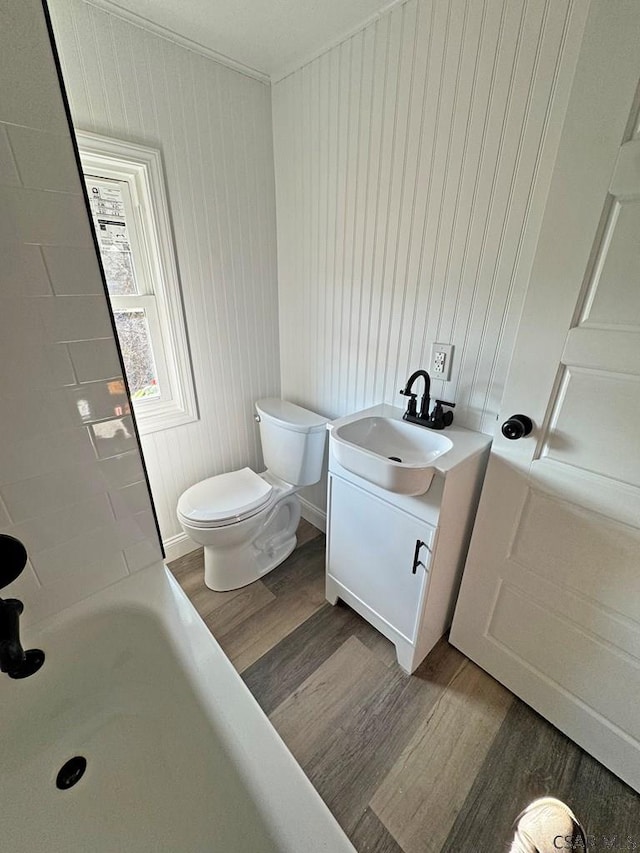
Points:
[(79, 504), (412, 166), (213, 127)]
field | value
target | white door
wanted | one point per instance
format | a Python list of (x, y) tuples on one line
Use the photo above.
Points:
[(550, 600)]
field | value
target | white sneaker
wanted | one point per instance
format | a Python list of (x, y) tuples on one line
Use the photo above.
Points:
[(548, 825)]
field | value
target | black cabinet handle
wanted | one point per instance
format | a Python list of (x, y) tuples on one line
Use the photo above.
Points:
[(416, 557)]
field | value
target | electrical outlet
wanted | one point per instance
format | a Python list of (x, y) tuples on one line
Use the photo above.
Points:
[(441, 355)]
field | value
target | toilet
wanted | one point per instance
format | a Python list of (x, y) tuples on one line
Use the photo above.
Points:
[(246, 521)]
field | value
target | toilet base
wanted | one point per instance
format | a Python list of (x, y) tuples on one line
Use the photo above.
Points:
[(232, 563), (222, 574)]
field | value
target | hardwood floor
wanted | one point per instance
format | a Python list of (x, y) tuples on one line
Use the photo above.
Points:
[(438, 762)]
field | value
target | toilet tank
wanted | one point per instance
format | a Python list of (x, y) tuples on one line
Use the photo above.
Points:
[(293, 441)]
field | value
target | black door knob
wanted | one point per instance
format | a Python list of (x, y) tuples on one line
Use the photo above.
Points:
[(517, 427)]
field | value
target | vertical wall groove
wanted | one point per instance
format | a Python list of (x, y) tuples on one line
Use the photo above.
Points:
[(434, 134)]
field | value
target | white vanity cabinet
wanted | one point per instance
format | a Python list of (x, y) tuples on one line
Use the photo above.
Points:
[(396, 559)]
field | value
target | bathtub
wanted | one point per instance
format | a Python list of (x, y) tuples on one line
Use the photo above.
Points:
[(179, 756)]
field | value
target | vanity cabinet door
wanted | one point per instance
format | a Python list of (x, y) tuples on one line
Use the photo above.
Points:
[(372, 549)]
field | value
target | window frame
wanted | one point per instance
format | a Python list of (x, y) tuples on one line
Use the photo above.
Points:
[(140, 167)]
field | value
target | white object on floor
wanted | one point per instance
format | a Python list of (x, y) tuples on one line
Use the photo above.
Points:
[(547, 825), (246, 521), (180, 757)]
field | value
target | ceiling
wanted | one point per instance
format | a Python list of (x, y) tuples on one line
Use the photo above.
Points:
[(271, 37)]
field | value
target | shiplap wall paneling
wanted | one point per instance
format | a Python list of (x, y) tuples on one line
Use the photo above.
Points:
[(213, 127), (412, 166)]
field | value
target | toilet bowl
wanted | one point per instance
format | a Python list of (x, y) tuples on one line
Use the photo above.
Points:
[(247, 521)]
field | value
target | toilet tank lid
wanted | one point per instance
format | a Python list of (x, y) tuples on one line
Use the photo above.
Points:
[(225, 496), (290, 416)]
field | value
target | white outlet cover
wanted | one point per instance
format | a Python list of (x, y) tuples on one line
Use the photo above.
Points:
[(436, 369)]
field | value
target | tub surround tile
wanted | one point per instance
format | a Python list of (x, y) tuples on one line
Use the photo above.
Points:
[(57, 527), (23, 272), (8, 170), (5, 518), (99, 401), (30, 99), (35, 413), (42, 366), (31, 498), (73, 271), (92, 360), (113, 437), (44, 161), (56, 333), (141, 555), (88, 548), (129, 500), (22, 325), (145, 523), (7, 225), (39, 216), (78, 585), (121, 471), (45, 454), (75, 318), (27, 587)]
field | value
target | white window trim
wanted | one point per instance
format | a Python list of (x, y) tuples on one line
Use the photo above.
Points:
[(142, 166)]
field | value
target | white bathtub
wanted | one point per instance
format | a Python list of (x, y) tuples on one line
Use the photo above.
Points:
[(179, 755)]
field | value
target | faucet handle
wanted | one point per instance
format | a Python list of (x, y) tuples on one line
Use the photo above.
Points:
[(13, 559), (412, 410), (439, 419)]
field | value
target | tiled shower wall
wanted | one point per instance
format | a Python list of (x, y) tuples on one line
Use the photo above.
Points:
[(72, 485)]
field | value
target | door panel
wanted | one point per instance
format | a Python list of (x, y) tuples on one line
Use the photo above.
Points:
[(594, 423), (550, 599), (535, 633), (612, 302)]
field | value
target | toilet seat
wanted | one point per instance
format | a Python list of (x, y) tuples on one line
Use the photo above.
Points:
[(225, 499)]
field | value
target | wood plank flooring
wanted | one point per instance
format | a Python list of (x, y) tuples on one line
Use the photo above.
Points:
[(438, 762)]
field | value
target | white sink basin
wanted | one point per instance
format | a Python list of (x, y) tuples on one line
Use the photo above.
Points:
[(393, 454)]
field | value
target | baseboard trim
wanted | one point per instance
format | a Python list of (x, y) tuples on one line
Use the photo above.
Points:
[(177, 546), (313, 514)]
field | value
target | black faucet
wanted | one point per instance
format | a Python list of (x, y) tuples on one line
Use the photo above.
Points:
[(438, 419), (411, 414), (14, 660)]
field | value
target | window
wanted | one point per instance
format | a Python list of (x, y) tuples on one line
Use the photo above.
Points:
[(126, 195)]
